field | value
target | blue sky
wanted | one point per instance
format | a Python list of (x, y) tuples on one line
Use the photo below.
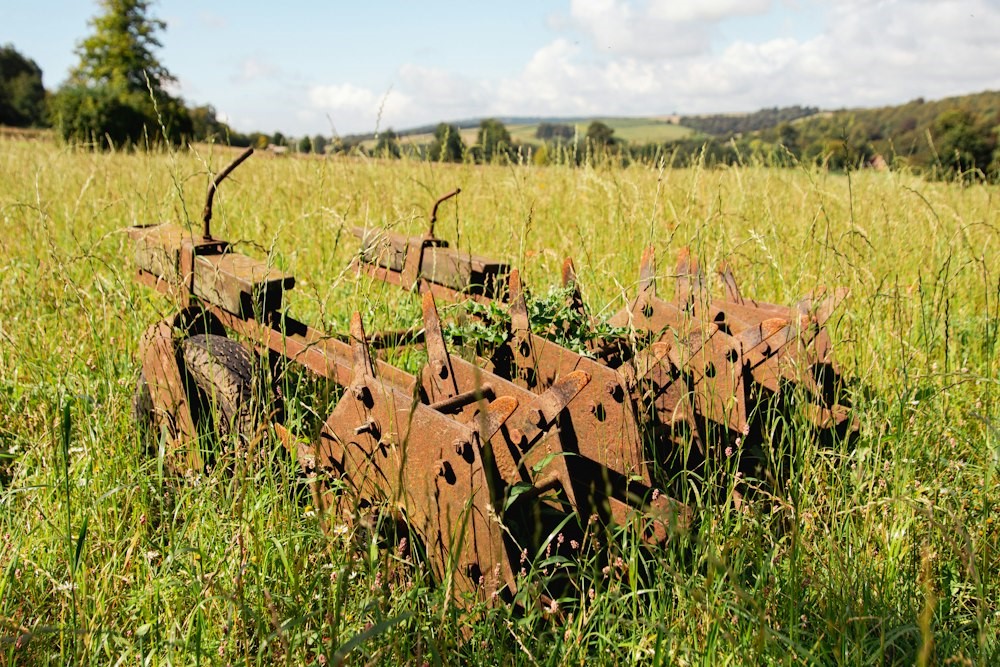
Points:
[(308, 66)]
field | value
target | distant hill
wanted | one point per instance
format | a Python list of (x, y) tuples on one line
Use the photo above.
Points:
[(737, 123), (910, 131), (956, 135), (942, 138)]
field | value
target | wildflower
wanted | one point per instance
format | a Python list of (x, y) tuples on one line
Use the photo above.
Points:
[(656, 494), (403, 548), (592, 594), (560, 538), (739, 442), (619, 563), (574, 544), (746, 429), (524, 556), (739, 474), (553, 607), (729, 451), (321, 659), (606, 570)]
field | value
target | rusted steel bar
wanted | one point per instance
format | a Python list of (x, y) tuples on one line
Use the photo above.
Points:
[(434, 209), (206, 214)]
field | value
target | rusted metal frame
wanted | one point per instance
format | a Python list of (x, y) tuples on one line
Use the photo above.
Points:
[(171, 409), (324, 355), (405, 260), (440, 291), (205, 268)]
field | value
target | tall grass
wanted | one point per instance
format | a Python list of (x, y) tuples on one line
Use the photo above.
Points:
[(885, 551)]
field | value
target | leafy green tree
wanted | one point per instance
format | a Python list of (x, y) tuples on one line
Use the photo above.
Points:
[(600, 134), (447, 145), (120, 52), (964, 143), (278, 139), (305, 145), (206, 126), (555, 132), (387, 144), (493, 140), (22, 97), (117, 93), (319, 143)]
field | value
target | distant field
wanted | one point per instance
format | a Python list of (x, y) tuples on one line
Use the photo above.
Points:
[(631, 130), (885, 550)]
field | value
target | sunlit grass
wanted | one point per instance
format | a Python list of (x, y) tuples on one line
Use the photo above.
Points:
[(882, 552)]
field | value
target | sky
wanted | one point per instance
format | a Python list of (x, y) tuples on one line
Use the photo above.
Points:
[(334, 67)]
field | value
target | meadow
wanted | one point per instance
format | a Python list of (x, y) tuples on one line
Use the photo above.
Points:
[(883, 550)]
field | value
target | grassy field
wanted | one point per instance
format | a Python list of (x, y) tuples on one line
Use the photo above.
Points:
[(885, 551)]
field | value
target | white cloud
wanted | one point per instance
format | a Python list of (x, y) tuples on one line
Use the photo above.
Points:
[(659, 57), (657, 28), (868, 52), (356, 109)]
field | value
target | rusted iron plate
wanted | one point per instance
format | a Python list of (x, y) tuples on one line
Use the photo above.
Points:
[(388, 449)]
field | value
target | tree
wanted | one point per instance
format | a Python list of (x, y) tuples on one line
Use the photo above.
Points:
[(600, 134), (278, 139), (206, 126), (117, 93), (963, 142), (555, 131), (319, 144), (493, 140), (447, 145), (387, 144), (22, 97), (305, 145)]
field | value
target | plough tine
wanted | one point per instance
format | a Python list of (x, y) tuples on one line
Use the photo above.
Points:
[(729, 280), (690, 280), (647, 272), (438, 360)]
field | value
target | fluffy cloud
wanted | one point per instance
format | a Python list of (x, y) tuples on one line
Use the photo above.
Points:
[(663, 56), (355, 108), (657, 28), (656, 57)]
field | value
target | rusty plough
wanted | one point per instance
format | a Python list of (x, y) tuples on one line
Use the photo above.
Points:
[(483, 460)]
